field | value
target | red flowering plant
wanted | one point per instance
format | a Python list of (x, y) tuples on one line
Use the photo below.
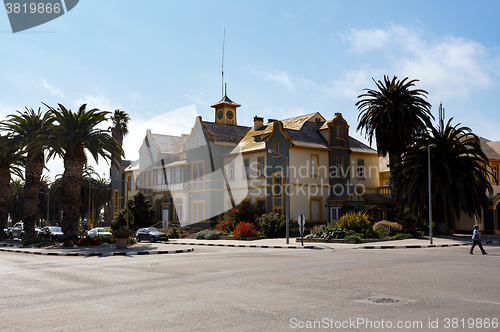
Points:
[(241, 212), (86, 241), (244, 230)]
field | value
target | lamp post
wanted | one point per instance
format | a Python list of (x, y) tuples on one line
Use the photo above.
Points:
[(430, 191), (287, 193), (126, 193)]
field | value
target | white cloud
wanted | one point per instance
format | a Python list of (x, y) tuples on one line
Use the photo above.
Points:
[(52, 89), (281, 78), (449, 67)]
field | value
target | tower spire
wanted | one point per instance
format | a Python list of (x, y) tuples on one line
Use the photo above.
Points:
[(223, 44)]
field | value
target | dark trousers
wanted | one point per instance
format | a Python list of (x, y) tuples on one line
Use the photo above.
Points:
[(479, 244)]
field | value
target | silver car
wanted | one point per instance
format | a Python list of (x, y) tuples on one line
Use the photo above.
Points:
[(99, 232), (51, 232)]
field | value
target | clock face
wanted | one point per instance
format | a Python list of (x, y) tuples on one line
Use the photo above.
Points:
[(219, 115), (230, 115)]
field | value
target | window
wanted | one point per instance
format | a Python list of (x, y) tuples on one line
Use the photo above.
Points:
[(495, 173), (278, 186), (246, 168), (129, 183), (314, 165), (262, 166), (178, 209), (150, 180), (277, 149), (340, 167), (177, 175), (169, 175), (198, 175), (361, 168), (261, 205), (339, 132), (198, 140), (232, 170), (116, 198)]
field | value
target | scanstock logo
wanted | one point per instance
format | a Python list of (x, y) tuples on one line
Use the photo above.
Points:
[(25, 15)]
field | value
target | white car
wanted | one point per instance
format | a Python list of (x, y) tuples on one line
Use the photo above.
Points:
[(99, 232)]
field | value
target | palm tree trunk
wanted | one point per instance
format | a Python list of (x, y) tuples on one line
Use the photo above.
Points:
[(5, 191), (72, 182), (394, 166), (34, 169)]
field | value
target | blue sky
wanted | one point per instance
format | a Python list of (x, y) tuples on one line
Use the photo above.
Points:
[(282, 59)]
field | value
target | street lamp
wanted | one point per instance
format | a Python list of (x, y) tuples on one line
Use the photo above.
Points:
[(430, 197), (287, 193), (126, 192)]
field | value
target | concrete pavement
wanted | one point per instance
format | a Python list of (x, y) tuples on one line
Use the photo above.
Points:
[(175, 246)]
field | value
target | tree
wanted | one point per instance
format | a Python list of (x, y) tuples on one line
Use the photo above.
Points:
[(395, 115), (30, 130), (74, 134), (10, 159), (458, 179), (119, 129)]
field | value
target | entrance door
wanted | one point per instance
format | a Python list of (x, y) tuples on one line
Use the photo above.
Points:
[(165, 218), (334, 214)]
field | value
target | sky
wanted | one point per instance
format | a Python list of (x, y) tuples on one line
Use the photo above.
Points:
[(160, 60)]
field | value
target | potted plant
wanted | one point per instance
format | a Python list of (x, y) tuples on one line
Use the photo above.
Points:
[(121, 235)]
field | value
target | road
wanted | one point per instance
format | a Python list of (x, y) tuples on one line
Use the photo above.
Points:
[(251, 289)]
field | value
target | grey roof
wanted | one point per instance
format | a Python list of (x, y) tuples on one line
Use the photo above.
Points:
[(308, 136), (167, 143), (357, 146), (376, 198), (490, 149), (342, 195), (225, 133)]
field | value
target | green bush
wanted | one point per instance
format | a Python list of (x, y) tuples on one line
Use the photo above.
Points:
[(271, 225), (377, 234), (388, 226), (326, 233), (353, 237), (174, 234), (355, 221), (209, 234)]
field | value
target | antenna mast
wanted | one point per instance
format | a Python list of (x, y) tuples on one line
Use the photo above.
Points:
[(441, 112), (223, 44)]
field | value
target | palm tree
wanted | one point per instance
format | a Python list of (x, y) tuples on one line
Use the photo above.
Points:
[(395, 115), (458, 180), (30, 130), (75, 134), (10, 160), (119, 129), (15, 203)]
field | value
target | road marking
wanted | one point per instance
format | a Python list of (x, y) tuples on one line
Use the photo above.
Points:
[(487, 302)]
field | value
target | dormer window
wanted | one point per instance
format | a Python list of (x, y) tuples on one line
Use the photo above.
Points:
[(339, 132)]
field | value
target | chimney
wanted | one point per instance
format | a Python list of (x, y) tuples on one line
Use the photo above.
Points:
[(258, 122)]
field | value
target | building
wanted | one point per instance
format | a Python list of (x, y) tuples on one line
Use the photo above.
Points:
[(193, 178)]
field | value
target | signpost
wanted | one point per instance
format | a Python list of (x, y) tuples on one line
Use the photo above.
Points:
[(302, 223)]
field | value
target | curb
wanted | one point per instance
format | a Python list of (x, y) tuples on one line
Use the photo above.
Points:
[(423, 246), (103, 254), (239, 245)]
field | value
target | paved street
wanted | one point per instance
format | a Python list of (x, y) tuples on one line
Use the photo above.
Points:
[(252, 289)]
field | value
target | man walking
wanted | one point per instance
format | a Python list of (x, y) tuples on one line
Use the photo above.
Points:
[(476, 239)]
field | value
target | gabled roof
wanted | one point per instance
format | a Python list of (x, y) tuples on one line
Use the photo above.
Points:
[(167, 143), (490, 149), (225, 133), (357, 146)]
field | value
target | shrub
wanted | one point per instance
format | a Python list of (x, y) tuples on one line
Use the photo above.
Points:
[(241, 212), (225, 225), (244, 230), (388, 226), (379, 233), (87, 241), (69, 244), (353, 237), (174, 233), (209, 234), (271, 225), (122, 233), (326, 233), (355, 221)]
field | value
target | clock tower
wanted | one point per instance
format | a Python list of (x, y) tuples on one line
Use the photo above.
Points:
[(225, 111)]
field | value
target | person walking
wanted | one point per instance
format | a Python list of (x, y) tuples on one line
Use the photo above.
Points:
[(476, 240)]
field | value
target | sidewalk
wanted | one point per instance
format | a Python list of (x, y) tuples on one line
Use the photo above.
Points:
[(172, 246)]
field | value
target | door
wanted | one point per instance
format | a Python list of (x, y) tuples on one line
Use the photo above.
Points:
[(334, 214), (164, 217)]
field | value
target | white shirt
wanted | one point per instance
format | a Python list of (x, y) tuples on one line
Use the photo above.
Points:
[(476, 235)]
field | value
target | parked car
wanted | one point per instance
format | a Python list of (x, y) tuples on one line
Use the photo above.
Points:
[(99, 232), (50, 232), (150, 234), (18, 231)]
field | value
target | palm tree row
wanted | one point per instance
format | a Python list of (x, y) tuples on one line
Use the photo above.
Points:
[(399, 118), (57, 132)]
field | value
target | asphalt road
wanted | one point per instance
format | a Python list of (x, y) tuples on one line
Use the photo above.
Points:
[(250, 289)]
